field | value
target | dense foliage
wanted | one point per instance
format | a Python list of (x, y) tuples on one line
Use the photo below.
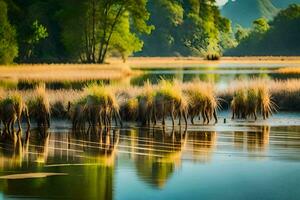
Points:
[(277, 37), (8, 44), (88, 31), (243, 12), (193, 27)]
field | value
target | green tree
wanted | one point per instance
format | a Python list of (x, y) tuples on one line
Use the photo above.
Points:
[(278, 37), (167, 16), (260, 25), (192, 27), (92, 29), (8, 43), (241, 33), (38, 33)]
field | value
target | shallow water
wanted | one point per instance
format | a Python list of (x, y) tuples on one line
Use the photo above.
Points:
[(221, 74), (236, 160)]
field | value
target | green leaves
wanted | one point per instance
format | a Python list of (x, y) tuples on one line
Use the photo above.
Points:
[(93, 29), (8, 43), (39, 32)]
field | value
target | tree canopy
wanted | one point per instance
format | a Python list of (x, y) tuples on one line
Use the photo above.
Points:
[(277, 37), (89, 31), (8, 43)]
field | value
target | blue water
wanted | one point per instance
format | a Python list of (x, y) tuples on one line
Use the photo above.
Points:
[(236, 160)]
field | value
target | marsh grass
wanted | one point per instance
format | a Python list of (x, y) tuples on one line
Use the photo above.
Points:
[(288, 70), (170, 101), (252, 99), (39, 106), (202, 100), (173, 99), (65, 72)]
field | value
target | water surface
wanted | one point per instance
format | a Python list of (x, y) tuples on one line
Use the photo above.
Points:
[(236, 160)]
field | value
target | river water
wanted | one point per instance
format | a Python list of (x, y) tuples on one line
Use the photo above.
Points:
[(236, 160)]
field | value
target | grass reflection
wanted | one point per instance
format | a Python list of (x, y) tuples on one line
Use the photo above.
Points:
[(162, 155)]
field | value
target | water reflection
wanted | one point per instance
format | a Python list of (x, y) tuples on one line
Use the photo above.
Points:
[(203, 144), (159, 155), (256, 140), (217, 74), (93, 160)]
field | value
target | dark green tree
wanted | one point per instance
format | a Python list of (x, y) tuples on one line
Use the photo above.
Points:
[(8, 43), (278, 37), (92, 29)]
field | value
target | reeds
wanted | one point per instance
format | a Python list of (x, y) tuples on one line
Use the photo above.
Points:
[(288, 70), (39, 106), (202, 101), (170, 101), (99, 104), (252, 100), (11, 109)]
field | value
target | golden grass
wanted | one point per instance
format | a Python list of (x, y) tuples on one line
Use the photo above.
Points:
[(289, 70), (284, 93), (64, 72), (146, 62)]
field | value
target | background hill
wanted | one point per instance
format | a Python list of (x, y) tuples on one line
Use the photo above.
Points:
[(243, 12)]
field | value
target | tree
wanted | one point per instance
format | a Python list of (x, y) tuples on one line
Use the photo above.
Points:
[(95, 28), (8, 43), (37, 33), (260, 25), (204, 28), (241, 33), (162, 40), (278, 37)]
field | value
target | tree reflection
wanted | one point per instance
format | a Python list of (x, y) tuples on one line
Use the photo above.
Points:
[(90, 168), (159, 155)]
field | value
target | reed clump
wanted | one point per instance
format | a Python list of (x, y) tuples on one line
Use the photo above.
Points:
[(39, 106), (170, 101), (146, 103), (252, 100), (78, 113), (202, 101), (129, 109), (101, 105), (12, 107)]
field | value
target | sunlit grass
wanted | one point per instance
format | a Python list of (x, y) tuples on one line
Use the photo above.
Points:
[(201, 100), (289, 70), (65, 72), (196, 98)]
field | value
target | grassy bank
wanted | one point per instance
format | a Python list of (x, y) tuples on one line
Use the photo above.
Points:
[(289, 70), (153, 62), (65, 72)]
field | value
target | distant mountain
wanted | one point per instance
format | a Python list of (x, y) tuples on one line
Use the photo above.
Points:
[(243, 12)]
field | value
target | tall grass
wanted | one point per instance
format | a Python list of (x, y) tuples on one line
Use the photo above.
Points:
[(251, 100), (70, 72), (170, 101), (98, 104), (39, 106), (289, 70), (201, 101)]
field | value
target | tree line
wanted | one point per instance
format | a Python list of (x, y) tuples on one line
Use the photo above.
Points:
[(278, 37), (89, 31)]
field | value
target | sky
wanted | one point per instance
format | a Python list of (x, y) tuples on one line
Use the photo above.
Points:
[(221, 2)]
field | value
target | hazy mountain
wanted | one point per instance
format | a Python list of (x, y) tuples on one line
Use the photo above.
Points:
[(243, 12)]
